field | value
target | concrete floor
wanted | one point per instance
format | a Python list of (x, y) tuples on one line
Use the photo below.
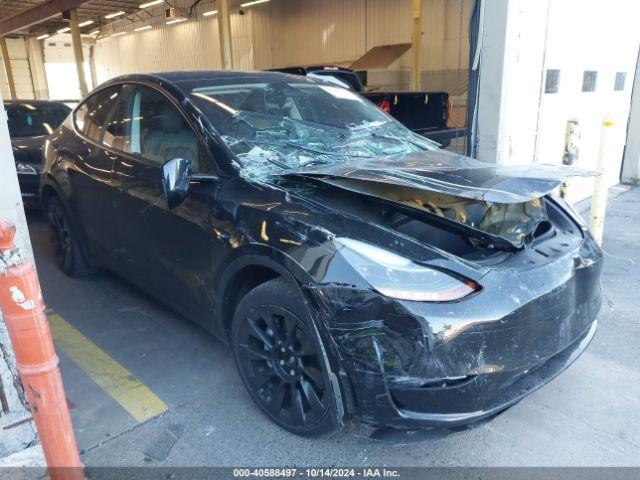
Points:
[(588, 416)]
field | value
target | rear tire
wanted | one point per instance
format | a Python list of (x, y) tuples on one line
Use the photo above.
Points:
[(65, 242), (280, 361)]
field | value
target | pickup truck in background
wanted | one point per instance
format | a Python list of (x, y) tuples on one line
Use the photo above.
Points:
[(426, 113)]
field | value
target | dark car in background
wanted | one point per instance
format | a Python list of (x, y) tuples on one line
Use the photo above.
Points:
[(425, 113), (356, 270), (30, 121)]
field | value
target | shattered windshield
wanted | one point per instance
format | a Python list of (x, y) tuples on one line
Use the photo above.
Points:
[(276, 126)]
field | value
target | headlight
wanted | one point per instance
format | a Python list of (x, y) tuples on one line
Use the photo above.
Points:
[(398, 277), (24, 169)]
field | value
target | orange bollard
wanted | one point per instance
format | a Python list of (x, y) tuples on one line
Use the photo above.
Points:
[(36, 360)]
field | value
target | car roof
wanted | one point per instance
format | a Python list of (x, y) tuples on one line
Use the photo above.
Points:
[(32, 102), (188, 80)]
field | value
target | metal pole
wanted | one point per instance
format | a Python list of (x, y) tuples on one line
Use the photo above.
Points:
[(36, 359), (76, 40), (224, 34), (571, 149), (599, 197), (416, 46), (7, 68)]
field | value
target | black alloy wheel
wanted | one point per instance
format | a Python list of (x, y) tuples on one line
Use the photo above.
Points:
[(280, 361), (65, 245)]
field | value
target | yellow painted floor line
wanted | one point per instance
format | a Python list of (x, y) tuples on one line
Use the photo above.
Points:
[(134, 396)]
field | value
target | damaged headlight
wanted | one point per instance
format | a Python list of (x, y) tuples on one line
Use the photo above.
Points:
[(398, 277)]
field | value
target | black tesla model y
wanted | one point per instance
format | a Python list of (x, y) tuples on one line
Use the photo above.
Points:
[(355, 269)]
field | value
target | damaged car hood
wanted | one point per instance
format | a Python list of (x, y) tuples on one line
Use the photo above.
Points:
[(450, 174), (497, 206)]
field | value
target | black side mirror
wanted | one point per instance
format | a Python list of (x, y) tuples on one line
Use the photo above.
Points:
[(176, 175)]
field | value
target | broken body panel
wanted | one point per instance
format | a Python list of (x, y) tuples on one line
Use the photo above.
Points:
[(345, 220)]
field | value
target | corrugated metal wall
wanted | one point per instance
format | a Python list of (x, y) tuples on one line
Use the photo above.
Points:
[(190, 45), (296, 32)]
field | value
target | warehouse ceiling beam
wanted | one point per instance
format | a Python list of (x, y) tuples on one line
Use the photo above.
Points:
[(7, 68), (37, 14)]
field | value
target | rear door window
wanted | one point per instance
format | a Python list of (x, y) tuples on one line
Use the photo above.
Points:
[(93, 118)]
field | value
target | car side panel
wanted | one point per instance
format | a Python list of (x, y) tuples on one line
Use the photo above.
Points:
[(82, 172)]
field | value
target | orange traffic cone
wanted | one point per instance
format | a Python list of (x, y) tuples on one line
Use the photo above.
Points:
[(36, 360)]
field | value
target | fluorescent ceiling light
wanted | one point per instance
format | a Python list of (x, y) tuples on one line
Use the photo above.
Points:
[(114, 14), (146, 27), (177, 20), (95, 32), (117, 34), (85, 23), (150, 4), (42, 37), (210, 12), (64, 30), (255, 2)]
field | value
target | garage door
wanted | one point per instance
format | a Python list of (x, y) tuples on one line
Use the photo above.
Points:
[(20, 69)]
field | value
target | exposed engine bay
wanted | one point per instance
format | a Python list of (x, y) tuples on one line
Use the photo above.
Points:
[(518, 223)]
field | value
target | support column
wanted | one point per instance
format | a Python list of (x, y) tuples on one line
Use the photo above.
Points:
[(513, 37), (7, 67), (76, 40), (224, 34), (416, 46), (631, 159)]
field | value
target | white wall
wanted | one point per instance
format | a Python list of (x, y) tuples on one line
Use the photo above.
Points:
[(11, 209), (631, 160), (588, 35), (10, 199), (518, 122)]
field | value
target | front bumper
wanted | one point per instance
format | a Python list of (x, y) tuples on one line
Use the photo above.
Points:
[(443, 365)]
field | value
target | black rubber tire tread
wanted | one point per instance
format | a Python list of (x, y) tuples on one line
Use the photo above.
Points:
[(75, 265), (283, 294)]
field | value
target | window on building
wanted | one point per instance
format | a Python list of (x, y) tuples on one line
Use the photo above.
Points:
[(589, 80), (621, 78), (552, 82)]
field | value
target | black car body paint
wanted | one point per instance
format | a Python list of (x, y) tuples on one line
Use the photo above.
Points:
[(394, 363)]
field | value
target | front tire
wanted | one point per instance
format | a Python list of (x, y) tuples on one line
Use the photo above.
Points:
[(65, 243), (280, 361)]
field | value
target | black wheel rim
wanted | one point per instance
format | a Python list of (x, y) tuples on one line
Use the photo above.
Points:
[(60, 236), (282, 366)]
